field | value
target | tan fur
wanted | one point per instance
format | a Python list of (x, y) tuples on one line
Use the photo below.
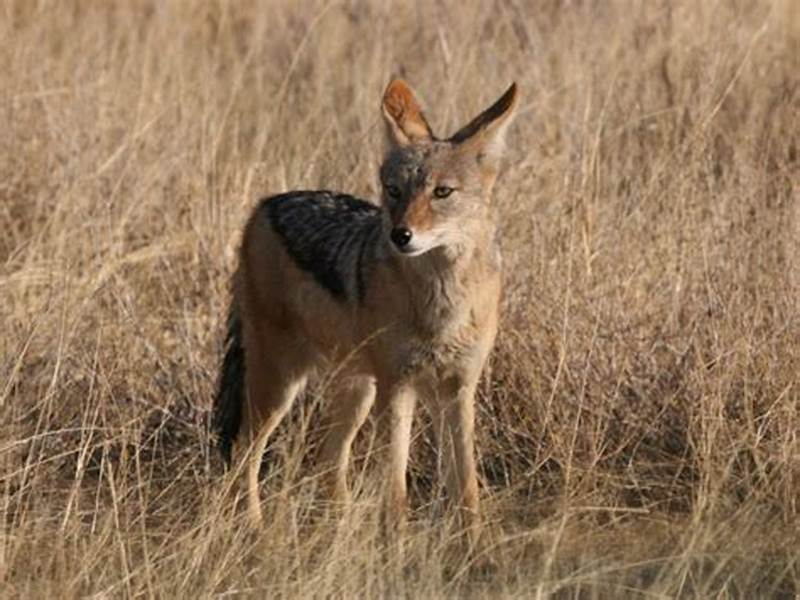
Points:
[(423, 331), (419, 215)]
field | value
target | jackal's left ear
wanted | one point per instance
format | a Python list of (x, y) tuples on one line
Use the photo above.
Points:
[(486, 132), (403, 115)]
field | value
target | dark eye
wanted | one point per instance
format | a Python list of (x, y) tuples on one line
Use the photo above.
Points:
[(392, 190), (442, 191)]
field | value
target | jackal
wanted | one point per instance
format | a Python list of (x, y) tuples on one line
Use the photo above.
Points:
[(402, 298)]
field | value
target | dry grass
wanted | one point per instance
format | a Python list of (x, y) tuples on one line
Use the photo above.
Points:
[(639, 427)]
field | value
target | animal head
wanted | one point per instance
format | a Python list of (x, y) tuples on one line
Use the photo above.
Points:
[(436, 191)]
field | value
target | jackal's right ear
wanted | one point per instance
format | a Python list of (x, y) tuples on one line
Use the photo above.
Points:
[(403, 115)]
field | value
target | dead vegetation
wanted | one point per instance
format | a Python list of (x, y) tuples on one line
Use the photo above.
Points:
[(639, 427)]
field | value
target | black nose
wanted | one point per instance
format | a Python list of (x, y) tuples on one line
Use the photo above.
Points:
[(401, 236)]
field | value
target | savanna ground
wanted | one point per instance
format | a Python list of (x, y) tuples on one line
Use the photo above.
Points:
[(639, 425)]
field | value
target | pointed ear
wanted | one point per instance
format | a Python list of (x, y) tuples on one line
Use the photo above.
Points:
[(403, 115), (486, 132)]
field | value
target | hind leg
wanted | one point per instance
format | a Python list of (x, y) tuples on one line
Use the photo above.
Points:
[(349, 404), (275, 371)]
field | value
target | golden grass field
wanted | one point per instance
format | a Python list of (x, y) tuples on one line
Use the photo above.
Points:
[(639, 427)]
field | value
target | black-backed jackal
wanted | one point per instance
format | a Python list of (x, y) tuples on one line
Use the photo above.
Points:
[(402, 299)]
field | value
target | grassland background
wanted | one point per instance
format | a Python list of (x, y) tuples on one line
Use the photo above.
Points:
[(639, 429)]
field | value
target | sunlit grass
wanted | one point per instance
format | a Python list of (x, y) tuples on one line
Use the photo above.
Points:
[(638, 427)]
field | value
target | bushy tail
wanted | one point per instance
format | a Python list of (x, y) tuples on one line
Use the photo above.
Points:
[(229, 400)]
